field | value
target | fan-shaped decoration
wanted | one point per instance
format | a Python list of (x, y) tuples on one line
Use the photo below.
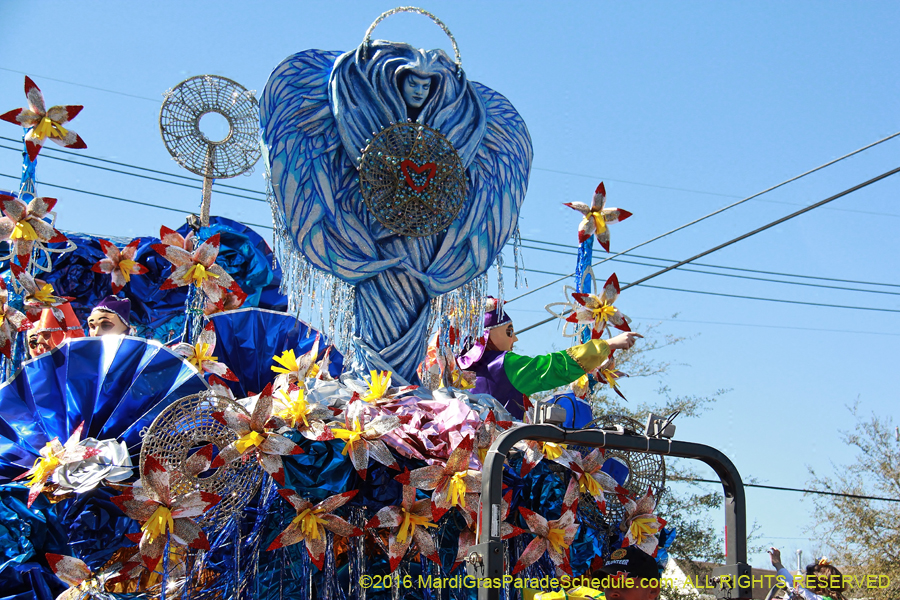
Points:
[(412, 179), (645, 471), (182, 430), (179, 122), (248, 338), (115, 385)]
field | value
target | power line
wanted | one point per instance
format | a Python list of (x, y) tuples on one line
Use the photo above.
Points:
[(788, 489), (121, 164), (745, 236), (91, 87), (119, 199), (699, 264), (695, 221), (178, 183), (634, 262), (742, 297)]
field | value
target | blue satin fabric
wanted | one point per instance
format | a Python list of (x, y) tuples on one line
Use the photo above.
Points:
[(116, 385), (248, 338), (26, 535), (321, 472)]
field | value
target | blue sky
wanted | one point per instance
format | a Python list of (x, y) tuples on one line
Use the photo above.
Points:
[(681, 108)]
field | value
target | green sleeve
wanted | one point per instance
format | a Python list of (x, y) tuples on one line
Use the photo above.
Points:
[(530, 375), (541, 373)]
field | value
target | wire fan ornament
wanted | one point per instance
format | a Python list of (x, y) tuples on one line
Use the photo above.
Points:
[(179, 123), (412, 180), (182, 429), (645, 471)]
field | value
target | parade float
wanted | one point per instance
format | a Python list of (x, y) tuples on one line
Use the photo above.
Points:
[(222, 448)]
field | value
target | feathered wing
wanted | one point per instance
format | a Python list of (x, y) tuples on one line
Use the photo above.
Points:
[(497, 181), (314, 183)]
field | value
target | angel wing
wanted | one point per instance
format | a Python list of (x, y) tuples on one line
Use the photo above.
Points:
[(314, 182)]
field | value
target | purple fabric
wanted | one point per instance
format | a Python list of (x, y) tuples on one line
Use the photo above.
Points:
[(120, 306), (490, 378), (496, 317)]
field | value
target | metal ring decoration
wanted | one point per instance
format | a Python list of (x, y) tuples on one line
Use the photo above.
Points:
[(412, 179), (413, 9), (179, 123), (183, 428)]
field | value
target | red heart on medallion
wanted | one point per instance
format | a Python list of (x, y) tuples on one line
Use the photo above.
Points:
[(429, 169)]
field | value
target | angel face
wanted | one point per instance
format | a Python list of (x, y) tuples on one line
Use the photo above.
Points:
[(415, 90), (502, 338), (102, 322)]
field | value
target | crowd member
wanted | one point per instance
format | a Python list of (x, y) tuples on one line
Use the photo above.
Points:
[(110, 317), (629, 574), (511, 378), (48, 333), (826, 581)]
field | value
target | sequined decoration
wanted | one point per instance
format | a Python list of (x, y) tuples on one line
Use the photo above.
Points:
[(412, 179), (461, 310), (310, 292)]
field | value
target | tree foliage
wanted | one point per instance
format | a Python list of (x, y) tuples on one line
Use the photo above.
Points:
[(863, 536)]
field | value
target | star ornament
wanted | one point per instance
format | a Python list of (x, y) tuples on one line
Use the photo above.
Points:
[(78, 576), (163, 515), (454, 483), (361, 441), (597, 217), (256, 438), (640, 526), (292, 410), (293, 370), (608, 374), (377, 390), (43, 123), (11, 321), (197, 268), (311, 522), (598, 311), (24, 227), (406, 523), (201, 355), (553, 537), (591, 480), (119, 264), (52, 456)]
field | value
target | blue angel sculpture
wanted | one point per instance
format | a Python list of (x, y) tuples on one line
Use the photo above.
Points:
[(320, 112)]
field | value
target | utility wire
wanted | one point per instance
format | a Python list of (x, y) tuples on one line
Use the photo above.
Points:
[(669, 289), (788, 489), (748, 277), (119, 199), (82, 155), (193, 187), (157, 101), (745, 236), (699, 264), (723, 209)]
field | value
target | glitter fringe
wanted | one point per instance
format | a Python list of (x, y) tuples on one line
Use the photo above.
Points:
[(309, 290)]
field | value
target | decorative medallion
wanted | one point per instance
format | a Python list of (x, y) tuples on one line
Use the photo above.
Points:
[(412, 180)]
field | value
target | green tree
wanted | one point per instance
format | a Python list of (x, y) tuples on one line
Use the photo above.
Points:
[(863, 536)]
